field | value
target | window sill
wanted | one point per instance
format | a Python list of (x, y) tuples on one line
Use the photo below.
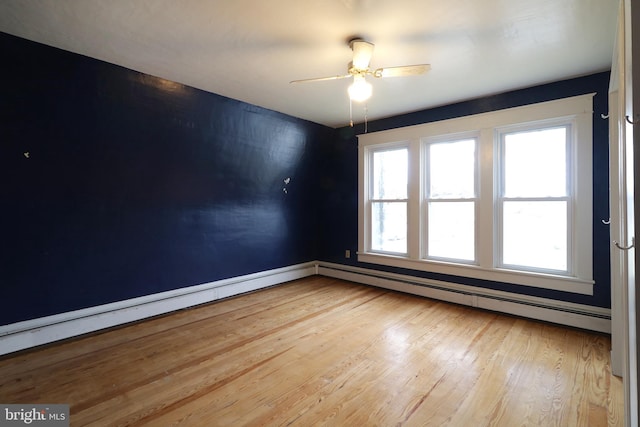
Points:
[(538, 280)]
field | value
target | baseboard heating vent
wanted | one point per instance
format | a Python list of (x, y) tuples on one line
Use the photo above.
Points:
[(564, 313)]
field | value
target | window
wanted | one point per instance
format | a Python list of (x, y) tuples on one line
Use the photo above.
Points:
[(493, 196), (534, 206), (450, 200), (389, 201)]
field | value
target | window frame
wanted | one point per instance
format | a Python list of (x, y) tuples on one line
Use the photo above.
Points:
[(426, 198), (569, 197), (577, 110), (371, 200)]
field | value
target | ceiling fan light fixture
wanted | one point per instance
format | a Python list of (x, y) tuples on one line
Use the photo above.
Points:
[(360, 90)]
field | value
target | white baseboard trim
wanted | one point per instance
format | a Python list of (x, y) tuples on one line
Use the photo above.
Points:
[(548, 310), (44, 330)]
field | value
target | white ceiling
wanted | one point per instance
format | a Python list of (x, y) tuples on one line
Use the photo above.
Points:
[(251, 49)]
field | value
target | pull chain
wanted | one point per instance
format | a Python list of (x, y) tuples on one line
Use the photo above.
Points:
[(350, 112), (366, 113)]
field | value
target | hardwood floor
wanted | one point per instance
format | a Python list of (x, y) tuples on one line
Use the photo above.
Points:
[(321, 351)]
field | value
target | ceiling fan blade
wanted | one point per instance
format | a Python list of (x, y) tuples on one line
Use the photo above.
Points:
[(321, 79), (403, 70), (362, 52)]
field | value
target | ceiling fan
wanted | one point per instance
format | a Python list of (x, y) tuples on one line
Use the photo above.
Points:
[(360, 90)]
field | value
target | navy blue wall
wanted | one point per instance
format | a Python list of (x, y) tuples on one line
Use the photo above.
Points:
[(339, 182), (115, 184)]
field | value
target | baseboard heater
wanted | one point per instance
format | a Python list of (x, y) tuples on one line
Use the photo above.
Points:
[(31, 333), (569, 314)]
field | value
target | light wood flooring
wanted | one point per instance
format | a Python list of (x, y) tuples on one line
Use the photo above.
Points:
[(320, 351)]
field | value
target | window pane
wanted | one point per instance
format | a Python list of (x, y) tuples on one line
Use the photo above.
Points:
[(535, 163), (390, 172), (535, 234), (452, 169), (389, 227), (452, 230)]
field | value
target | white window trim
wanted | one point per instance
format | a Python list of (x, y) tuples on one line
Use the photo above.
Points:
[(577, 108), (572, 177), (425, 143), (366, 219)]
